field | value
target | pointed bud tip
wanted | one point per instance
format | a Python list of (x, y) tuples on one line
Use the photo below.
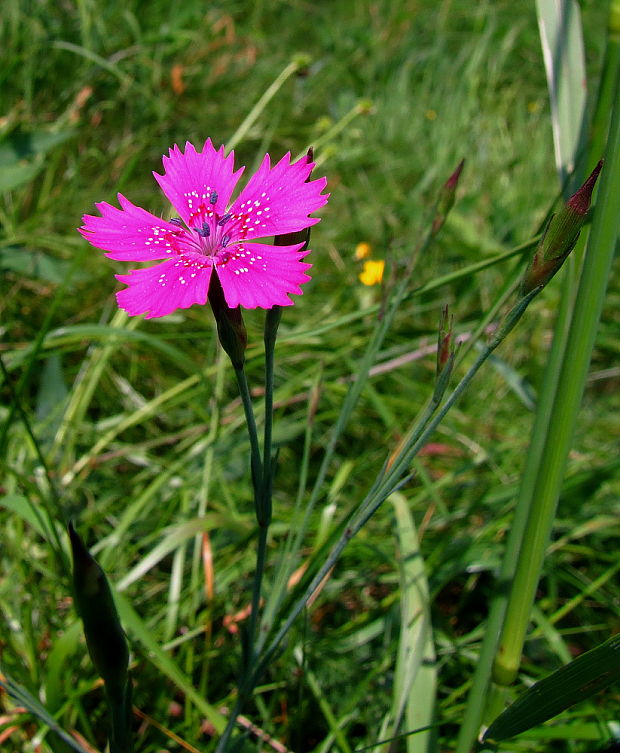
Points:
[(445, 200), (581, 199), (453, 180), (78, 547)]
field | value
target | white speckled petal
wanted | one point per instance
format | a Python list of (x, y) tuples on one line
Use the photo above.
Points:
[(193, 179), (256, 275), (133, 234), (160, 290), (277, 200)]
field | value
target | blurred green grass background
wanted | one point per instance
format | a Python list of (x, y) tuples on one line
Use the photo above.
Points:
[(392, 95)]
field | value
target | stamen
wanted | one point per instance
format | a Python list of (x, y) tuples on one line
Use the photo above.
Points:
[(225, 240), (224, 219), (204, 231), (176, 221), (213, 197)]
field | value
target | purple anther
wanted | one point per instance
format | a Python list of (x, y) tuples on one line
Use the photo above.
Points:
[(204, 231)]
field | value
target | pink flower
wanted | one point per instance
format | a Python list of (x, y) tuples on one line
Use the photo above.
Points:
[(210, 234)]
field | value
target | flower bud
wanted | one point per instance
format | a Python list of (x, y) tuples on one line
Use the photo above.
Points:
[(445, 355), (445, 201), (560, 236), (445, 346), (230, 327), (104, 634), (363, 250)]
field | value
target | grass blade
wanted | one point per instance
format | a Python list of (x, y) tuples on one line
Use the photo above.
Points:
[(415, 680), (571, 382), (561, 38), (582, 678), (23, 698)]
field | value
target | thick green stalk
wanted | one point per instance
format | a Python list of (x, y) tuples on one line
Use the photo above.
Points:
[(571, 382), (476, 700)]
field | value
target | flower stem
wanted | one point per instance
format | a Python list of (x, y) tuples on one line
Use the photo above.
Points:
[(567, 400), (256, 462), (271, 329), (394, 477)]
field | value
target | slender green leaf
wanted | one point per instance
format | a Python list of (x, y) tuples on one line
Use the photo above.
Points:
[(78, 333), (57, 679), (582, 678), (561, 39), (160, 659), (174, 538), (415, 680), (34, 516), (22, 155), (22, 697)]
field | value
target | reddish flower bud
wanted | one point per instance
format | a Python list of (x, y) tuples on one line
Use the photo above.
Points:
[(560, 236), (445, 201)]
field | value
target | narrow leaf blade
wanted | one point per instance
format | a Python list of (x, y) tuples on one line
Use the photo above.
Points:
[(582, 678)]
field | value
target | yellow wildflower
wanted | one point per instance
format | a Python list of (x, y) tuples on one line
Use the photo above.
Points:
[(372, 273), (363, 250)]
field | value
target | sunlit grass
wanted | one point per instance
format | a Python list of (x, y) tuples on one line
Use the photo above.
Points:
[(153, 437)]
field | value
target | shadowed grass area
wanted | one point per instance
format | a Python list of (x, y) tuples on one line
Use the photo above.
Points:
[(139, 423)]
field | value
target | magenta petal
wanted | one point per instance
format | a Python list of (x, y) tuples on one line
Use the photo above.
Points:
[(199, 184), (132, 233), (192, 179), (160, 290), (258, 275), (277, 200)]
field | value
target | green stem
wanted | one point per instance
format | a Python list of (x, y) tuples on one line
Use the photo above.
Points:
[(246, 399), (392, 480), (475, 708), (222, 743), (257, 482), (245, 683), (424, 429), (546, 489), (272, 322)]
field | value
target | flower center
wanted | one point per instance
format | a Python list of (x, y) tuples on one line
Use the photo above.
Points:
[(211, 237)]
